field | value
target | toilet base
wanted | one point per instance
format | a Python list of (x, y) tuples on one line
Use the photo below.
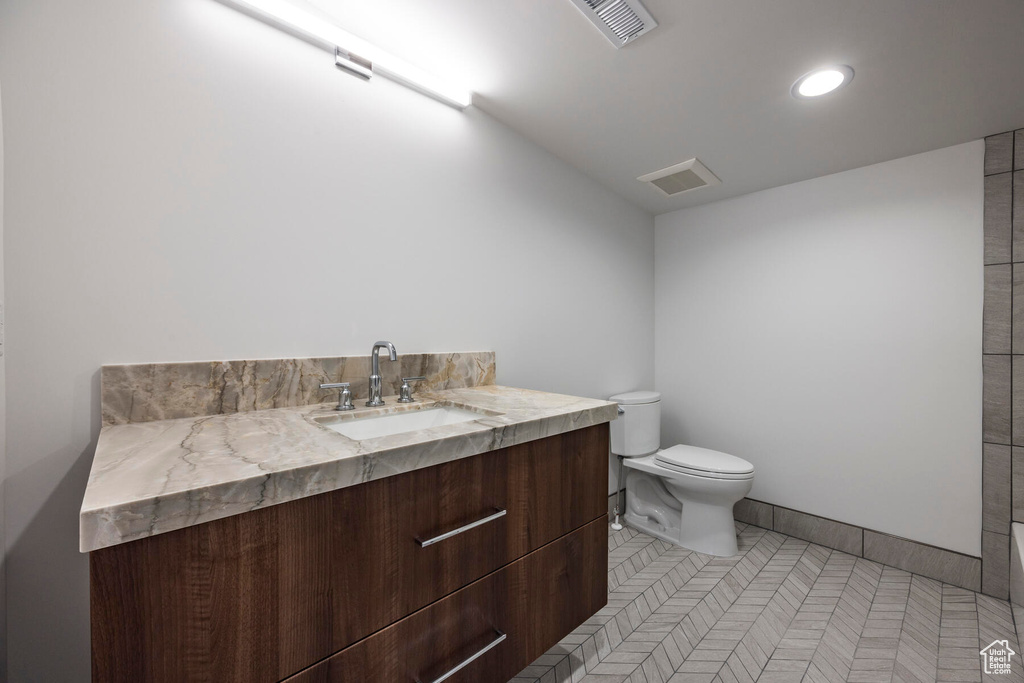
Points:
[(717, 537), (708, 529), (695, 525)]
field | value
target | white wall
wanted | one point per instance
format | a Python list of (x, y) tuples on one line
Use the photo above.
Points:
[(830, 333), (184, 182), (3, 426)]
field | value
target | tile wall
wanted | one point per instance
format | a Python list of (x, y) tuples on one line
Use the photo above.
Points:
[(1003, 359)]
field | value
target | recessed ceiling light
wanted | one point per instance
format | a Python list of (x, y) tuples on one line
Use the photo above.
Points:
[(821, 82)]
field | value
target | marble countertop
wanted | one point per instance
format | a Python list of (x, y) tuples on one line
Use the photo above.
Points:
[(148, 478)]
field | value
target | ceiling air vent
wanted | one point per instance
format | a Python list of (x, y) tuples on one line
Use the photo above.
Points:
[(621, 21), (689, 175)]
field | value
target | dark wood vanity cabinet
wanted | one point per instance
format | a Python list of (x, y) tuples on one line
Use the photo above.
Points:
[(348, 585)]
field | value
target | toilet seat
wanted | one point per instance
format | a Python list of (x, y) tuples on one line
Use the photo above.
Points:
[(703, 462)]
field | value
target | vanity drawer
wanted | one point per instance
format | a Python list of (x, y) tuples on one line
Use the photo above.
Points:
[(501, 623), (256, 597)]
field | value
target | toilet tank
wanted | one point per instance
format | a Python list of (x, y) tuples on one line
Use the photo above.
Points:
[(637, 431)]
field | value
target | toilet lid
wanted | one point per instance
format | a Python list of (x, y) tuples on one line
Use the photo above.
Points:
[(704, 462), (636, 397)]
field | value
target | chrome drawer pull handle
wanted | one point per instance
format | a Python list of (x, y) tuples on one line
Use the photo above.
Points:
[(466, 662), (456, 532)]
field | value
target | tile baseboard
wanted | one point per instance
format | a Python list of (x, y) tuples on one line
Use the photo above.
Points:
[(750, 511), (926, 560), (845, 537)]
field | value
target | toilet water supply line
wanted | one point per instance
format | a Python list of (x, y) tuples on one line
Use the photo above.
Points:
[(616, 525)]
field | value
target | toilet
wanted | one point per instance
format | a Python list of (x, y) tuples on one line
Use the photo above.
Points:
[(682, 494)]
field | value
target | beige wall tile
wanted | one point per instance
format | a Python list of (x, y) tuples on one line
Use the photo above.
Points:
[(998, 235), (999, 153), (995, 486), (995, 556), (996, 399)]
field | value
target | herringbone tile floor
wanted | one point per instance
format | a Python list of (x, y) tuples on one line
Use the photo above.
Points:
[(781, 610)]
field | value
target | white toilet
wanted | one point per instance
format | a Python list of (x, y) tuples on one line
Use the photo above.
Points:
[(683, 494)]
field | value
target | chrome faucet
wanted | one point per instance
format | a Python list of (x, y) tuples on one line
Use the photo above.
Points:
[(375, 386)]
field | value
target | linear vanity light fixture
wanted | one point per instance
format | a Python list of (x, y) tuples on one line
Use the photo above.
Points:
[(351, 52)]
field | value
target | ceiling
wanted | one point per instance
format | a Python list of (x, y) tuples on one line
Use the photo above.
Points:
[(713, 81)]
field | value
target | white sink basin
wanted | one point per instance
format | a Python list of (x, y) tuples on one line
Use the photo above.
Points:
[(397, 423)]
